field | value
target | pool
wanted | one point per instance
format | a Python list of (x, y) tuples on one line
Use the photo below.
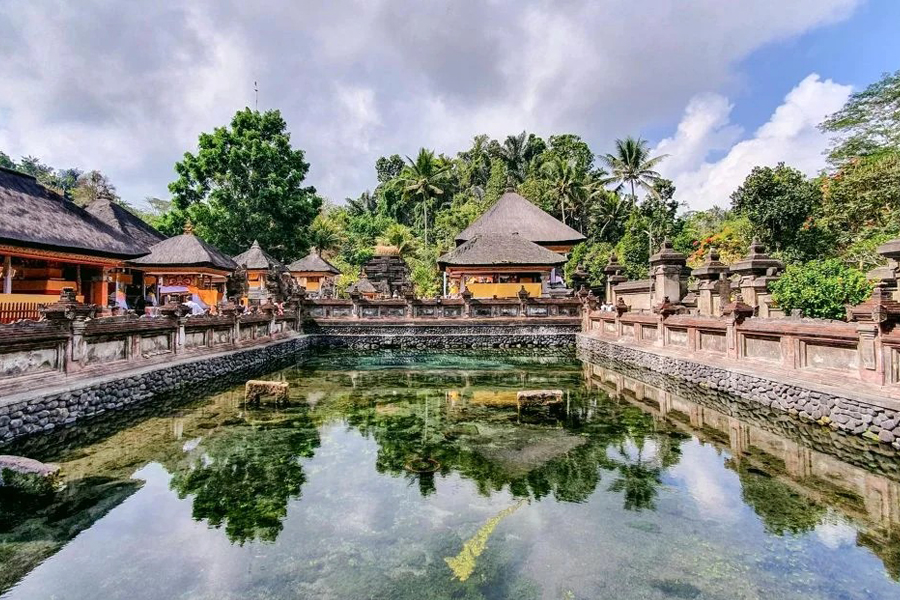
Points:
[(399, 475)]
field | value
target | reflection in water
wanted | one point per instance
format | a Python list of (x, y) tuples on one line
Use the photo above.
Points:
[(397, 476)]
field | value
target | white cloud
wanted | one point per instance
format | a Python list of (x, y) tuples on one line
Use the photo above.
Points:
[(129, 91), (790, 135)]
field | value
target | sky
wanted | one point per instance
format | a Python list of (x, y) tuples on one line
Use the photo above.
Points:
[(718, 85)]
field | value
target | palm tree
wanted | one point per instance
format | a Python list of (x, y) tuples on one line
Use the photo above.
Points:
[(566, 183), (325, 234), (423, 180), (607, 209), (513, 153), (632, 165), (367, 203)]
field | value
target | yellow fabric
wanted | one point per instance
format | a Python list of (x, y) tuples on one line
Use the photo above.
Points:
[(502, 290)]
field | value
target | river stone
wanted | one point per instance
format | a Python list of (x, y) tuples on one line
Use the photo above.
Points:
[(27, 474)]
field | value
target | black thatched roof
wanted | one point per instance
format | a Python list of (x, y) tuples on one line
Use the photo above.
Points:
[(313, 263), (257, 258), (119, 218), (185, 250), (500, 250), (514, 214), (33, 216)]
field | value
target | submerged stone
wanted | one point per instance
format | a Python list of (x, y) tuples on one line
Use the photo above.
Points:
[(27, 474)]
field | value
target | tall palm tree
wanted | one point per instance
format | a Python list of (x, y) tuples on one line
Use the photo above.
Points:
[(567, 184), (423, 180), (400, 237), (632, 165), (607, 210)]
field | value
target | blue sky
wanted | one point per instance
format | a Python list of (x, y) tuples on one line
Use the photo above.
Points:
[(720, 85)]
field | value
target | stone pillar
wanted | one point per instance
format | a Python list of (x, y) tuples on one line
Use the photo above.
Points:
[(887, 273), (614, 276), (7, 275), (668, 269), (467, 300), (707, 280), (355, 298), (755, 272), (874, 317), (69, 315)]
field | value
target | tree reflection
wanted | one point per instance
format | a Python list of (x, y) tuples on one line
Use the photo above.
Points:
[(781, 509), (243, 476), (560, 455)]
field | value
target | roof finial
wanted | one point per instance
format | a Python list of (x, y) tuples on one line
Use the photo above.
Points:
[(188, 227)]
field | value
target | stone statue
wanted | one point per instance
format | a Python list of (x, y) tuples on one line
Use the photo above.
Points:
[(236, 285)]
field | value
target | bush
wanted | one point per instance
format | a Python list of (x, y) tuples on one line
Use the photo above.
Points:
[(820, 288)]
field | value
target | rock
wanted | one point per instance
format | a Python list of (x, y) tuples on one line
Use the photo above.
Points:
[(27, 474), (526, 398), (886, 436)]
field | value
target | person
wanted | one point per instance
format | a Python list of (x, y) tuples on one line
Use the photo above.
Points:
[(196, 309), (140, 306)]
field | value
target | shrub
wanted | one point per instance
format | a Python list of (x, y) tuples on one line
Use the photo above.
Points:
[(820, 288)]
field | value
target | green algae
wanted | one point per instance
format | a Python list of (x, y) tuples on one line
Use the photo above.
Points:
[(464, 563)]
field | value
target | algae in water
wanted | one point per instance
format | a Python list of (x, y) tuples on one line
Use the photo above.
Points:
[(463, 564)]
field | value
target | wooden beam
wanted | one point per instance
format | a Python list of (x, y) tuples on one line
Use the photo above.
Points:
[(7, 275)]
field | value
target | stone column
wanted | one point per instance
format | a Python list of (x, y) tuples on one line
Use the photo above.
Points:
[(355, 298), (69, 315), (668, 269), (755, 272), (614, 276), (707, 279), (887, 273)]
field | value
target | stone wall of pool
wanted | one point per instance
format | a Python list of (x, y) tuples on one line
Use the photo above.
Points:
[(877, 419), (44, 409)]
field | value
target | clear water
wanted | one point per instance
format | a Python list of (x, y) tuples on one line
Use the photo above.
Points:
[(401, 476)]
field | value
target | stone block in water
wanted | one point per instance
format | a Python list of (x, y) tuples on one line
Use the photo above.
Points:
[(27, 474)]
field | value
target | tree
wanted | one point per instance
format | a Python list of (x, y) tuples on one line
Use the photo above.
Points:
[(423, 180), (869, 123), (245, 183), (516, 152), (820, 288), (325, 234), (633, 166), (6, 162), (388, 167), (779, 203), (93, 185), (366, 203), (400, 237), (567, 185)]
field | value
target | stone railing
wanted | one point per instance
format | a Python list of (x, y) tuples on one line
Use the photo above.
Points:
[(70, 339), (466, 307), (863, 350)]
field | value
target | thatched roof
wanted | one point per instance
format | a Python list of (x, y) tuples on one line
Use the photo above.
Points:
[(514, 214), (500, 250), (312, 263), (257, 258), (119, 218), (185, 250), (33, 216), (363, 286)]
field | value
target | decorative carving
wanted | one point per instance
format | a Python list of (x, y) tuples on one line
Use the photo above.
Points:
[(68, 308), (236, 284)]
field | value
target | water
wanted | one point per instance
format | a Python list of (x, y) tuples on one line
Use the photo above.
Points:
[(416, 476)]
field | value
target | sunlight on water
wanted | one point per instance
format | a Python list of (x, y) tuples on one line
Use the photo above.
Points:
[(411, 475)]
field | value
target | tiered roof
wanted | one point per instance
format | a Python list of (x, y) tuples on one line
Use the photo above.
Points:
[(500, 249), (513, 214)]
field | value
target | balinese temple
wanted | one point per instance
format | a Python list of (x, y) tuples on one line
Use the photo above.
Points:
[(257, 262), (186, 265), (387, 272), (513, 245), (48, 243), (129, 283), (313, 273)]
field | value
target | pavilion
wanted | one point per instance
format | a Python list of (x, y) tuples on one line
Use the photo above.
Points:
[(186, 264), (313, 272), (48, 243), (514, 244), (258, 262)]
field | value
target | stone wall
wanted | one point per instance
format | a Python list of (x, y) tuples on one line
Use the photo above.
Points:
[(370, 336), (841, 412)]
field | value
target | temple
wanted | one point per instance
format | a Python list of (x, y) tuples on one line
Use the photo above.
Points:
[(259, 264), (186, 265), (48, 243), (514, 245), (315, 274)]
